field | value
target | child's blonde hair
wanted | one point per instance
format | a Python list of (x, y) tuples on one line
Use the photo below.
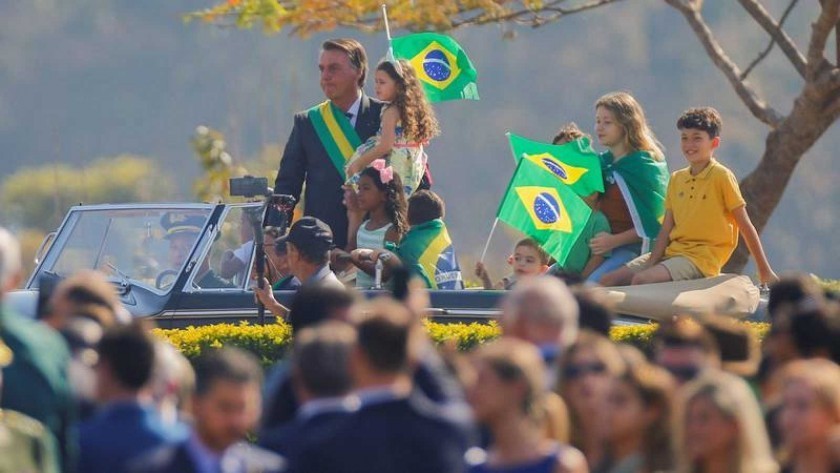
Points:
[(631, 117), (416, 115)]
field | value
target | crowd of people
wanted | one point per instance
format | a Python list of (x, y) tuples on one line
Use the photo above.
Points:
[(364, 389)]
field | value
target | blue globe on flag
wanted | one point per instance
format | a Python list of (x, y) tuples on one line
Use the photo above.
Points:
[(546, 208), (447, 272), (555, 168), (436, 65)]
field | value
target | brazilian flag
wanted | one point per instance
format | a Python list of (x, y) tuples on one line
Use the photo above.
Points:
[(441, 65), (575, 163), (428, 252), (543, 208)]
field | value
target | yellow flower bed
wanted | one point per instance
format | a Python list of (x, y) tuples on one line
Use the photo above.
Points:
[(269, 342)]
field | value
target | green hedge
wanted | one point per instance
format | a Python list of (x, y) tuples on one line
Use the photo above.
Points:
[(270, 342)]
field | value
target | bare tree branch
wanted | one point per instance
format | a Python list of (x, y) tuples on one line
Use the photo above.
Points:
[(691, 10), (535, 20), (777, 35), (821, 29)]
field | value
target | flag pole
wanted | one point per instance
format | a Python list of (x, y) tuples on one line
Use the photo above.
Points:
[(510, 143), (489, 237), (387, 31)]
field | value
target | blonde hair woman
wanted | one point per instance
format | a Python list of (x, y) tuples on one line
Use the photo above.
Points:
[(507, 397), (635, 182), (810, 416), (640, 420), (721, 429)]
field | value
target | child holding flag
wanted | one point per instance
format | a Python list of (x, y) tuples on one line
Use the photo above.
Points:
[(528, 260), (408, 123), (581, 259), (635, 182), (704, 211)]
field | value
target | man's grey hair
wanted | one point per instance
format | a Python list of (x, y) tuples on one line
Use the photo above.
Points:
[(544, 300), (9, 257)]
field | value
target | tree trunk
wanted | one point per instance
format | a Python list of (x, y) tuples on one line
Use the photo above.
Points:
[(763, 188)]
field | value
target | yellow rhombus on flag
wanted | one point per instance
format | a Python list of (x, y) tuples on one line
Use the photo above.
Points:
[(543, 208)]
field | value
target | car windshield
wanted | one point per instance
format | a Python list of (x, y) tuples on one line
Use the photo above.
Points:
[(130, 244)]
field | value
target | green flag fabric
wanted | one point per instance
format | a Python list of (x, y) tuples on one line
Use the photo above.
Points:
[(544, 209), (575, 163), (643, 182), (441, 65)]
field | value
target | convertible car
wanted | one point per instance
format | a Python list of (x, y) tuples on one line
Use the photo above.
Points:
[(167, 262), (166, 278)]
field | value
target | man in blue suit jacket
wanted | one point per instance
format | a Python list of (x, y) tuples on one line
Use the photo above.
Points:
[(127, 424), (394, 430), (226, 406), (310, 156), (320, 374)]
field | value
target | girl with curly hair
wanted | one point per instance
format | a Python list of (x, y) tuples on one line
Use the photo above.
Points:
[(408, 123), (381, 212)]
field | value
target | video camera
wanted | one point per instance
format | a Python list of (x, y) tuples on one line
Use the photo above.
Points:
[(276, 211), (250, 186), (279, 206)]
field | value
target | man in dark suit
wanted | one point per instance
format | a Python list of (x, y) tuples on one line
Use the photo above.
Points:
[(127, 424), (311, 306), (394, 430), (320, 374), (226, 406), (312, 154)]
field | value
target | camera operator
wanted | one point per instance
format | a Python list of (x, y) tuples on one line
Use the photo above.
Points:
[(279, 271), (308, 246)]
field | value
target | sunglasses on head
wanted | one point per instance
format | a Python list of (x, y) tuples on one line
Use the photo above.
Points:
[(579, 370)]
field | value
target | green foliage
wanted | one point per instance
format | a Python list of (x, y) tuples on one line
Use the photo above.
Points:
[(39, 197), (219, 166), (210, 149), (269, 342)]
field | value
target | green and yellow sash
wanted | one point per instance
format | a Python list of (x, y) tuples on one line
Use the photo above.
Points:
[(336, 134)]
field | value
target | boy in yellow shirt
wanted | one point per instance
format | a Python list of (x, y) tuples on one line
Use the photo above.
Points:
[(704, 211)]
